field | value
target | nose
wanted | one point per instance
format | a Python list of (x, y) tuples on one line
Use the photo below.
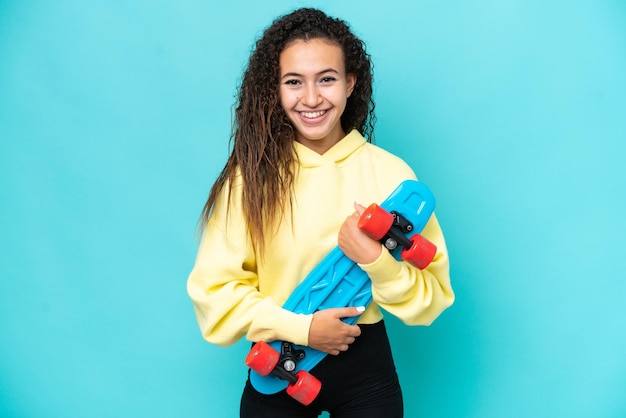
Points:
[(312, 97)]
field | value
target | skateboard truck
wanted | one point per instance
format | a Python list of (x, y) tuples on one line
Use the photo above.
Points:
[(289, 357), (390, 228), (396, 234), (263, 359)]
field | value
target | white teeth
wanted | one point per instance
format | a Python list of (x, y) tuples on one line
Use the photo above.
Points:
[(311, 115)]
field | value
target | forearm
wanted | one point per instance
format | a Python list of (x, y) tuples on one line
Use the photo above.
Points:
[(415, 296), (227, 312), (224, 288)]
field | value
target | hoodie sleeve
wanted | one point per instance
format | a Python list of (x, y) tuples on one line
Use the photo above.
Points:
[(223, 286), (415, 296)]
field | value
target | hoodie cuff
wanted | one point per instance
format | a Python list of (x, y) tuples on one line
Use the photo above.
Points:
[(384, 269), (273, 323)]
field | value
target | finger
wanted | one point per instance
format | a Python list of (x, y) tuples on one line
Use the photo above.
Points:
[(358, 207), (352, 311)]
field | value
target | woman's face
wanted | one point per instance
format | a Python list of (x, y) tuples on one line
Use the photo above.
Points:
[(314, 89)]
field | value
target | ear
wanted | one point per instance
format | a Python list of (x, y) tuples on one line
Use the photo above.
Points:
[(350, 83)]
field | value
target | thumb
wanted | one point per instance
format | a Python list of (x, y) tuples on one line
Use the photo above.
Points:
[(358, 207)]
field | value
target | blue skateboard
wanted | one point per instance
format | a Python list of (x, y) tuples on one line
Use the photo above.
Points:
[(339, 282)]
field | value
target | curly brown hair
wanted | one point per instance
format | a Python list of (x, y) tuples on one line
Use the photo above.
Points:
[(262, 150)]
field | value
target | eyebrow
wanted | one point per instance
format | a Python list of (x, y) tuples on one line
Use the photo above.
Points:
[(293, 74)]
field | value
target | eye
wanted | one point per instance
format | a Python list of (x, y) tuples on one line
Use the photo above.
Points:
[(328, 79), (292, 82)]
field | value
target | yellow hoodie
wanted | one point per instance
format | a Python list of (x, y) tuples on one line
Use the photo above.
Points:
[(236, 293)]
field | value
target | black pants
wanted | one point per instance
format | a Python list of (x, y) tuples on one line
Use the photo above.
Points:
[(361, 382)]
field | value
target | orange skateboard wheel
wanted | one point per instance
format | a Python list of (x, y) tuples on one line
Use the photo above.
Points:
[(262, 358), (306, 389), (375, 221), (421, 252)]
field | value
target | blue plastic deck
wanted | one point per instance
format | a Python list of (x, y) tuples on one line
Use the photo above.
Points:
[(338, 282)]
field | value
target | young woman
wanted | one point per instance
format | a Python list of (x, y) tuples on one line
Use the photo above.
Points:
[(286, 197)]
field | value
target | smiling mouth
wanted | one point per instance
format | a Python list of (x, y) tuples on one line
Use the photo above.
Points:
[(313, 115)]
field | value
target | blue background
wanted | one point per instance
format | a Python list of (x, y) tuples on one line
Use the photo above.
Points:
[(114, 121)]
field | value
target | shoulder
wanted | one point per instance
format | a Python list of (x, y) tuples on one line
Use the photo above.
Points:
[(228, 204), (387, 162)]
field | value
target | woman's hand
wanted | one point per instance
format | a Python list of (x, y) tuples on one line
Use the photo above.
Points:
[(356, 244), (328, 333)]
